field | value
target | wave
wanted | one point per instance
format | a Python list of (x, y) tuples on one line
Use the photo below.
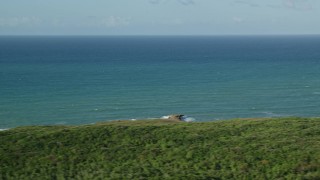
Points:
[(272, 114), (188, 119), (183, 118), (165, 117)]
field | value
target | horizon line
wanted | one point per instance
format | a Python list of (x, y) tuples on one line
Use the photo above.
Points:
[(182, 35)]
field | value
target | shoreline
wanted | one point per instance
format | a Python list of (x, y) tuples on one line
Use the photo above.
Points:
[(161, 119)]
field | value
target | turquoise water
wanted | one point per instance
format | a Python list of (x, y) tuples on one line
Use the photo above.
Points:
[(81, 80)]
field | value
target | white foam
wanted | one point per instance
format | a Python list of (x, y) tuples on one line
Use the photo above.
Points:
[(183, 118), (3, 129), (271, 114), (165, 117), (188, 119)]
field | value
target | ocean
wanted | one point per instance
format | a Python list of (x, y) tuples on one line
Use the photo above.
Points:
[(48, 80)]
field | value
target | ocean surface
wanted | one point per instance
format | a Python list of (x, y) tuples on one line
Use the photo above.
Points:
[(83, 80)]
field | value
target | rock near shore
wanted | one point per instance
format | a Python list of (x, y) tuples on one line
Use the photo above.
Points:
[(176, 117)]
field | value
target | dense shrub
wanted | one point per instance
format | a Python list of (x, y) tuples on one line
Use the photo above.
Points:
[(279, 148)]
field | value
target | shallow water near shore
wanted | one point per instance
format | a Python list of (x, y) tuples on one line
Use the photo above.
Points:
[(81, 80)]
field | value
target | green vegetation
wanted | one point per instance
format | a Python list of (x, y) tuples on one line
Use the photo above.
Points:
[(277, 148)]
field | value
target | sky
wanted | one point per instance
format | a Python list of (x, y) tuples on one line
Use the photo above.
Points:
[(159, 17)]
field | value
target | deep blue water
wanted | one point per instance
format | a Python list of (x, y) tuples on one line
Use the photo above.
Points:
[(80, 80)]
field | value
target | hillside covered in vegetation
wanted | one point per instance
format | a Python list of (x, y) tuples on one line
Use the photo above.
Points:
[(277, 148)]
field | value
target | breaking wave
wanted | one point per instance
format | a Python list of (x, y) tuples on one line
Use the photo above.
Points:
[(183, 118)]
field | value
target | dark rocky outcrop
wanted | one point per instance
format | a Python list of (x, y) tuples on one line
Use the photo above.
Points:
[(176, 117)]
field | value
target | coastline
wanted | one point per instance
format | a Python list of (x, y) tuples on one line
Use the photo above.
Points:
[(162, 119)]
